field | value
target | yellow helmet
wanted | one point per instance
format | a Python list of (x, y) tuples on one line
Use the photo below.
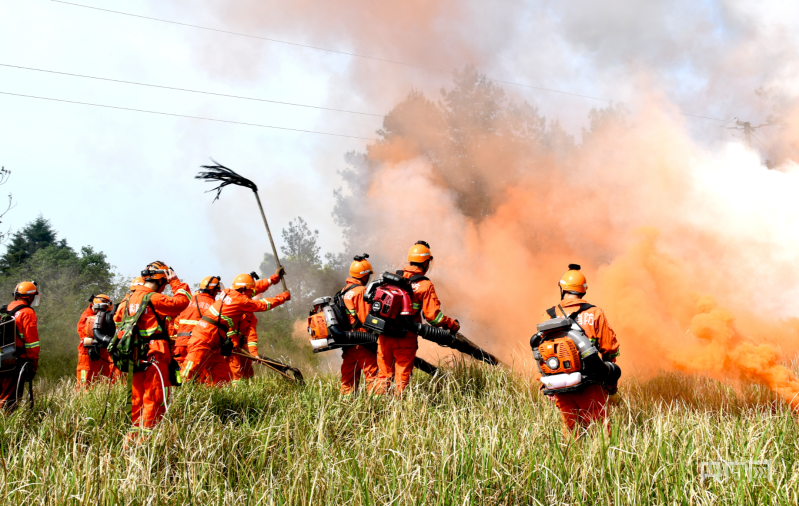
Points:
[(244, 281), (420, 253), (360, 267), (573, 281)]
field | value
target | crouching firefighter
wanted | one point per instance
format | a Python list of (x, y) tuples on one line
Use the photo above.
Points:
[(19, 344), (398, 341), (245, 338), (576, 351), (141, 345), (96, 328), (212, 338), (205, 296)]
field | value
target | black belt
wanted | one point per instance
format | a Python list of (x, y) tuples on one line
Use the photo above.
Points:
[(183, 334)]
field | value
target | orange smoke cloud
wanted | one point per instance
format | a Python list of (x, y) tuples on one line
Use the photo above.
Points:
[(689, 258)]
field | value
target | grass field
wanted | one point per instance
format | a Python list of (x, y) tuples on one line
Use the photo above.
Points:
[(478, 436)]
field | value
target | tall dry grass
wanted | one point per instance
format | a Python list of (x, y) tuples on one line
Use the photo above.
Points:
[(478, 436)]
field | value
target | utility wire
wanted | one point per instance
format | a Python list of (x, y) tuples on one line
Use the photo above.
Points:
[(187, 116), (188, 90), (357, 55)]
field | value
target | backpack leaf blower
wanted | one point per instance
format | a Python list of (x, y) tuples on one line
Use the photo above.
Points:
[(568, 360)]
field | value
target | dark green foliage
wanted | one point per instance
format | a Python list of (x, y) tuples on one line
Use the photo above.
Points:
[(66, 279)]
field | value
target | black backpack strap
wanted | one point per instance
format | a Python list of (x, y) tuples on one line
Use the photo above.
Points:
[(17, 309), (583, 307), (551, 312), (418, 277)]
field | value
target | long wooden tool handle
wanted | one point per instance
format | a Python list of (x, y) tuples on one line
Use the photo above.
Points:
[(264, 363), (271, 241)]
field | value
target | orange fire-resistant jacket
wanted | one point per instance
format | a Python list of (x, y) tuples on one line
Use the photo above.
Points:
[(425, 301), (84, 316), (357, 307), (164, 306), (27, 339), (227, 315), (596, 327), (247, 336), (187, 320)]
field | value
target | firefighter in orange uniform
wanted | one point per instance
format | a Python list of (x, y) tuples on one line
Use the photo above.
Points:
[(363, 357), (246, 339), (149, 385), (93, 361), (133, 284), (202, 301), (580, 409), (23, 363), (246, 336), (395, 356), (212, 338)]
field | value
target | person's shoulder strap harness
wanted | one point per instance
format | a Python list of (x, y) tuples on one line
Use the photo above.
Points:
[(12, 312), (583, 307), (415, 278)]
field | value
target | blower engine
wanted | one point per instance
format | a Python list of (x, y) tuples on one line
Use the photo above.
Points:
[(328, 326), (567, 359)]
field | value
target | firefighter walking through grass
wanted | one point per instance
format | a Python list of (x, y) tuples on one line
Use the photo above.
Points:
[(212, 338), (360, 359), (580, 409), (149, 385), (21, 366), (395, 355)]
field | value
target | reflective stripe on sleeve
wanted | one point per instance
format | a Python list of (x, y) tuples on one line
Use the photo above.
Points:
[(184, 292), (437, 319), (32, 345)]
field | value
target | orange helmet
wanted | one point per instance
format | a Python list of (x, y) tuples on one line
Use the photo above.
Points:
[(102, 302), (243, 281), (136, 282), (360, 267), (209, 284), (420, 253), (573, 281), (26, 289), (155, 271)]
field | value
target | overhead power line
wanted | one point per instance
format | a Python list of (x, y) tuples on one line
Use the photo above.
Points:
[(356, 55), (188, 90), (160, 113)]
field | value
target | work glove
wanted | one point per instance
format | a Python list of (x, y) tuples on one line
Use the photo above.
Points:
[(30, 369), (274, 279), (282, 297), (454, 326), (227, 348)]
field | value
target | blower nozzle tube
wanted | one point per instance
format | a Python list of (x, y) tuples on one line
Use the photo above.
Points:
[(445, 338)]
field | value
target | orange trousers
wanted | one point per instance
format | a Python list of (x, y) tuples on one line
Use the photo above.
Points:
[(148, 392), (89, 370), (357, 360), (240, 367), (8, 389), (179, 354), (581, 409), (395, 356), (206, 366)]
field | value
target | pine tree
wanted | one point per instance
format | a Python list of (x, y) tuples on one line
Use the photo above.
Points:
[(36, 235)]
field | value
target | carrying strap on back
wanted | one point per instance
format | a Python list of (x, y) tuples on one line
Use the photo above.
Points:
[(12, 312), (415, 278), (338, 300), (583, 307)]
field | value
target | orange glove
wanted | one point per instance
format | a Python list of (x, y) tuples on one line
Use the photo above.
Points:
[(454, 326), (273, 279), (282, 297)]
